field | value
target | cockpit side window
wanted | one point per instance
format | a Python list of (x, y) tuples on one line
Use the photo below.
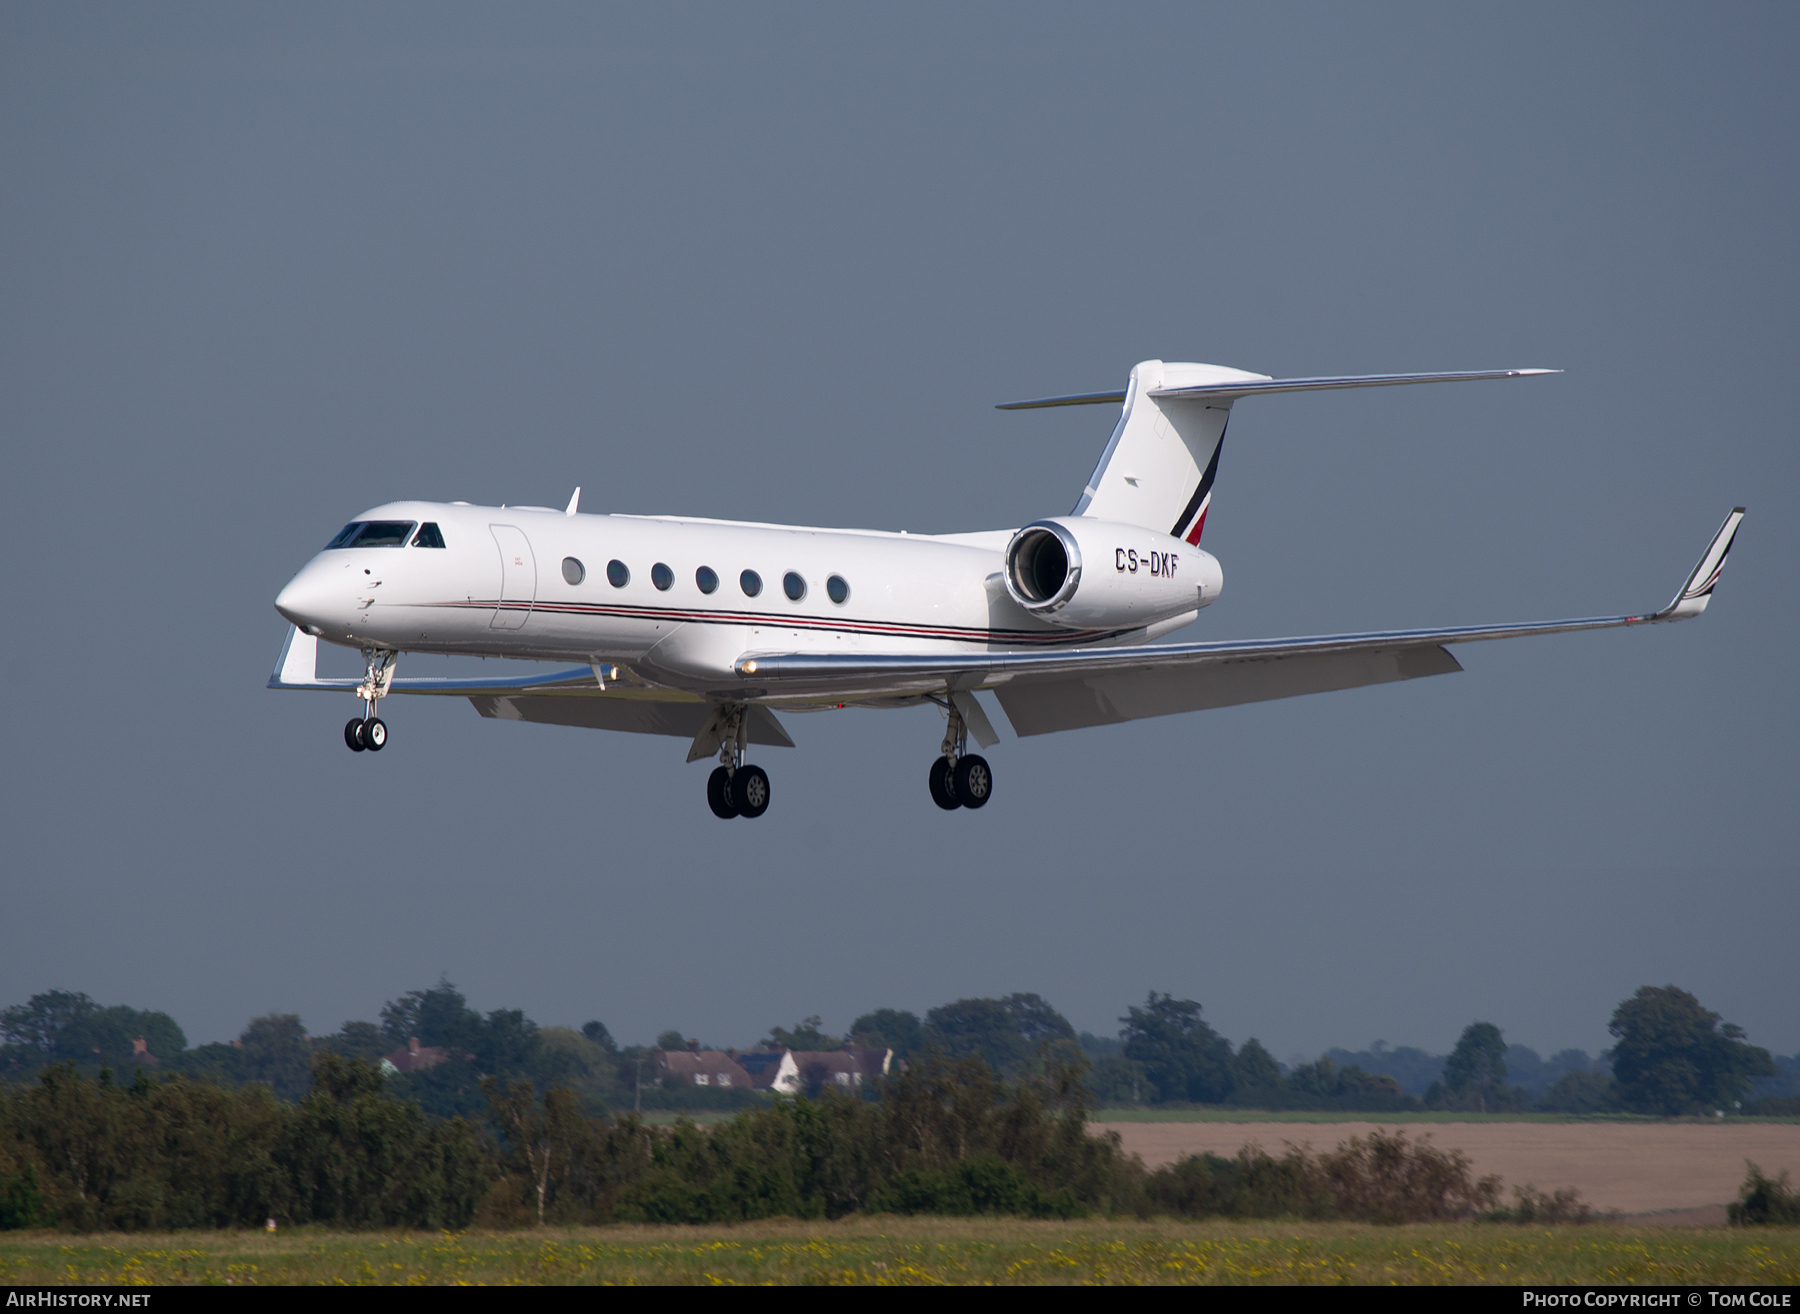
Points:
[(428, 536), (374, 533)]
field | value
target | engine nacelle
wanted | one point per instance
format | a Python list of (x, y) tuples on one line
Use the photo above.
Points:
[(1098, 575)]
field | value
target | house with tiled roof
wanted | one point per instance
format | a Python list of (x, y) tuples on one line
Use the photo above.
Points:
[(846, 1069), (771, 1069), (413, 1058), (702, 1067), (791, 1071)]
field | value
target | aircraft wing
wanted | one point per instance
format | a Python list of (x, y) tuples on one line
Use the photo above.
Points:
[(578, 695), (1044, 692)]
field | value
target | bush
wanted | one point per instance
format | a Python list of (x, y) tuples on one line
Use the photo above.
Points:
[(1531, 1205), (1251, 1185), (944, 1137), (1764, 1201), (173, 1153), (20, 1203), (1384, 1178)]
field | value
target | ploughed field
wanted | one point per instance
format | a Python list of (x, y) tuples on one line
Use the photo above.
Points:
[(926, 1252), (1623, 1167)]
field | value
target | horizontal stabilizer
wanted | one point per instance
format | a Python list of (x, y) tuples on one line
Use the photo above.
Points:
[(1249, 387)]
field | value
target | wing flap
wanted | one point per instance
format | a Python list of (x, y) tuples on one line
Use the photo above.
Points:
[(1043, 706), (682, 720)]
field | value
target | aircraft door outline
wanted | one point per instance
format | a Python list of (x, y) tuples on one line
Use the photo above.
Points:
[(518, 578)]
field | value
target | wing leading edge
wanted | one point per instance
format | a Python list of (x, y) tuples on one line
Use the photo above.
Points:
[(1044, 692)]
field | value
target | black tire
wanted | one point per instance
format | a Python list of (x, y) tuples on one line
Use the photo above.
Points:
[(718, 794), (750, 791), (943, 788), (353, 734), (374, 734), (974, 781)]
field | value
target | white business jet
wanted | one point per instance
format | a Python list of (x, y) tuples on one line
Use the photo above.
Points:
[(704, 629)]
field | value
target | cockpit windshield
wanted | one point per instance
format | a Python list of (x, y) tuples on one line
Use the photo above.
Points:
[(372, 533)]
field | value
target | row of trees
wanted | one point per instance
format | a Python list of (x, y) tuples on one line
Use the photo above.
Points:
[(944, 1137), (1672, 1056)]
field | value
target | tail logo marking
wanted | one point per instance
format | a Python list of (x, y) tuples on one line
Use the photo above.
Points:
[(1193, 516)]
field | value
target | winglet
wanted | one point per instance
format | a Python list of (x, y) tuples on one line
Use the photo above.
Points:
[(574, 501), (1697, 592), (298, 665)]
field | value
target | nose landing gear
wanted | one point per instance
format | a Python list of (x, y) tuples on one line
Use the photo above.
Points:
[(365, 734), (368, 732), (736, 788), (959, 779)]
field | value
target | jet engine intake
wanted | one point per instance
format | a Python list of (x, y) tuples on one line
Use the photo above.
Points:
[(1095, 574)]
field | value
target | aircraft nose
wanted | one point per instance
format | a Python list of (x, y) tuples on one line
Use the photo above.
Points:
[(305, 600)]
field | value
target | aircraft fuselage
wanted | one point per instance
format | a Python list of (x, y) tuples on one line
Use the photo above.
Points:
[(681, 600)]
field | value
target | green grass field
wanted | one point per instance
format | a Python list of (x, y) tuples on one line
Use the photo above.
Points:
[(925, 1252), (663, 1118), (1259, 1115)]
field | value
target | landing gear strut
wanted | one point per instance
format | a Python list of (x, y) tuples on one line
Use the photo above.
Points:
[(959, 779), (736, 788), (368, 731)]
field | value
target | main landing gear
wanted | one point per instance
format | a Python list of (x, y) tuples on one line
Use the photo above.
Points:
[(959, 779), (368, 732), (736, 788)]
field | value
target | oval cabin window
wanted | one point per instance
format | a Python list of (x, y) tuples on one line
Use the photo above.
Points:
[(751, 583), (793, 586), (573, 571), (617, 575), (707, 578), (837, 588), (662, 577)]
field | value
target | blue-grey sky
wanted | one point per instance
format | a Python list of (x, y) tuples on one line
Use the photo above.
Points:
[(264, 267)]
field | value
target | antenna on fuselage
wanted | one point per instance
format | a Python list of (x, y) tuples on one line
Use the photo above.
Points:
[(574, 501)]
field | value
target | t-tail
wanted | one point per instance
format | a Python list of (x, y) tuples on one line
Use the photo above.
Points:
[(1159, 468)]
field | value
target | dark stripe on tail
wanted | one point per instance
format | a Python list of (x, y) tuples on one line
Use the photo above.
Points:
[(1206, 483)]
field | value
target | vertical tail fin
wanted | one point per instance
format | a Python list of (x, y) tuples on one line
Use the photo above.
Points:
[(1158, 470)]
